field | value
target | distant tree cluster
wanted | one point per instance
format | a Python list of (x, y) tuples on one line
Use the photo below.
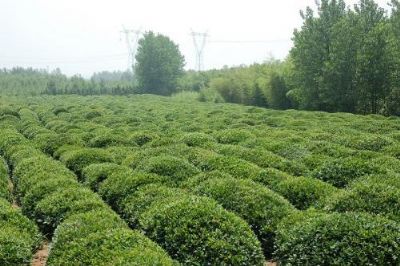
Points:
[(28, 81), (343, 60), (348, 60)]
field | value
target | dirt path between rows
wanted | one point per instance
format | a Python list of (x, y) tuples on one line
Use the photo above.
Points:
[(40, 257)]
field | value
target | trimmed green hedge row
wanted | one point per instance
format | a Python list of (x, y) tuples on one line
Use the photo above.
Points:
[(375, 195), (51, 195), (337, 239), (216, 236), (262, 208), (19, 237), (4, 181)]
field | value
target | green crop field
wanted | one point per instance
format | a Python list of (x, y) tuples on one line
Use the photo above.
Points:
[(151, 180)]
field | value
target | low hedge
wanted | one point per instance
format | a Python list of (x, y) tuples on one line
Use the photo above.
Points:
[(95, 174), (53, 209), (232, 136), (337, 239), (106, 140), (141, 138), (102, 238), (177, 169), (197, 139), (196, 230), (42, 189), (19, 236), (262, 208), (119, 186), (78, 159), (5, 192), (50, 143), (370, 196), (304, 192), (262, 158), (340, 172), (135, 204)]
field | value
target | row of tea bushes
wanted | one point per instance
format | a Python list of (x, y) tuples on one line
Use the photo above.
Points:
[(19, 236), (314, 238), (84, 230), (194, 230)]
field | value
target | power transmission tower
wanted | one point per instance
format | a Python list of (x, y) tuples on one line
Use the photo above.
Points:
[(132, 39), (199, 40)]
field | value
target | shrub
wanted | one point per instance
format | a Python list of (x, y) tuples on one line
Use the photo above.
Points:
[(176, 169), (118, 186), (142, 137), (210, 95), (197, 139), (49, 143), (204, 176), (262, 158), (196, 230), (367, 196), (106, 140), (135, 204), (76, 160), (5, 192), (340, 172), (338, 239), (95, 174), (41, 189), (304, 192), (262, 208), (19, 236), (232, 136), (110, 247), (53, 209)]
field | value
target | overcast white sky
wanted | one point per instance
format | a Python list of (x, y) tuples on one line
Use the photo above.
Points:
[(83, 36)]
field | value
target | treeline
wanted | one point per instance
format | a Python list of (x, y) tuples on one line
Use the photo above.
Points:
[(343, 60), (29, 81)]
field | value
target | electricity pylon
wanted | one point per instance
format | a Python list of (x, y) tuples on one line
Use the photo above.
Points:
[(199, 40), (131, 39)]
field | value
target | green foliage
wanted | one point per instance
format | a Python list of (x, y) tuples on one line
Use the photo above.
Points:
[(76, 160), (210, 95), (19, 237), (197, 139), (338, 239), (176, 169), (196, 230), (159, 64), (262, 208), (94, 174), (120, 185), (101, 238), (53, 209), (368, 195), (340, 172), (304, 192)]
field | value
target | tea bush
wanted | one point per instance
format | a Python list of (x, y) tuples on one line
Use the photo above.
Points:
[(76, 160), (304, 192), (367, 196), (262, 208), (176, 169), (338, 239), (196, 230), (19, 236), (340, 172), (95, 174)]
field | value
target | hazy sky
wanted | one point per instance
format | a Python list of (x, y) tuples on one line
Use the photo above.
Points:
[(83, 36)]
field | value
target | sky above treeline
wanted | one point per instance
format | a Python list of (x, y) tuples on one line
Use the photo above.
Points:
[(84, 36)]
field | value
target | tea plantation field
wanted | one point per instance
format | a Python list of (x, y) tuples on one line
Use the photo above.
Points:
[(148, 180)]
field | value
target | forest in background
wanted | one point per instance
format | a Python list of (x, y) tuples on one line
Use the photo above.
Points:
[(343, 60)]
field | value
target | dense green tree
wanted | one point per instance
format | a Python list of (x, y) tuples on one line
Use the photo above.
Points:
[(159, 64)]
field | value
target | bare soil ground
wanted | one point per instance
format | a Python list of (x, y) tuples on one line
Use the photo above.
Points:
[(40, 257)]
